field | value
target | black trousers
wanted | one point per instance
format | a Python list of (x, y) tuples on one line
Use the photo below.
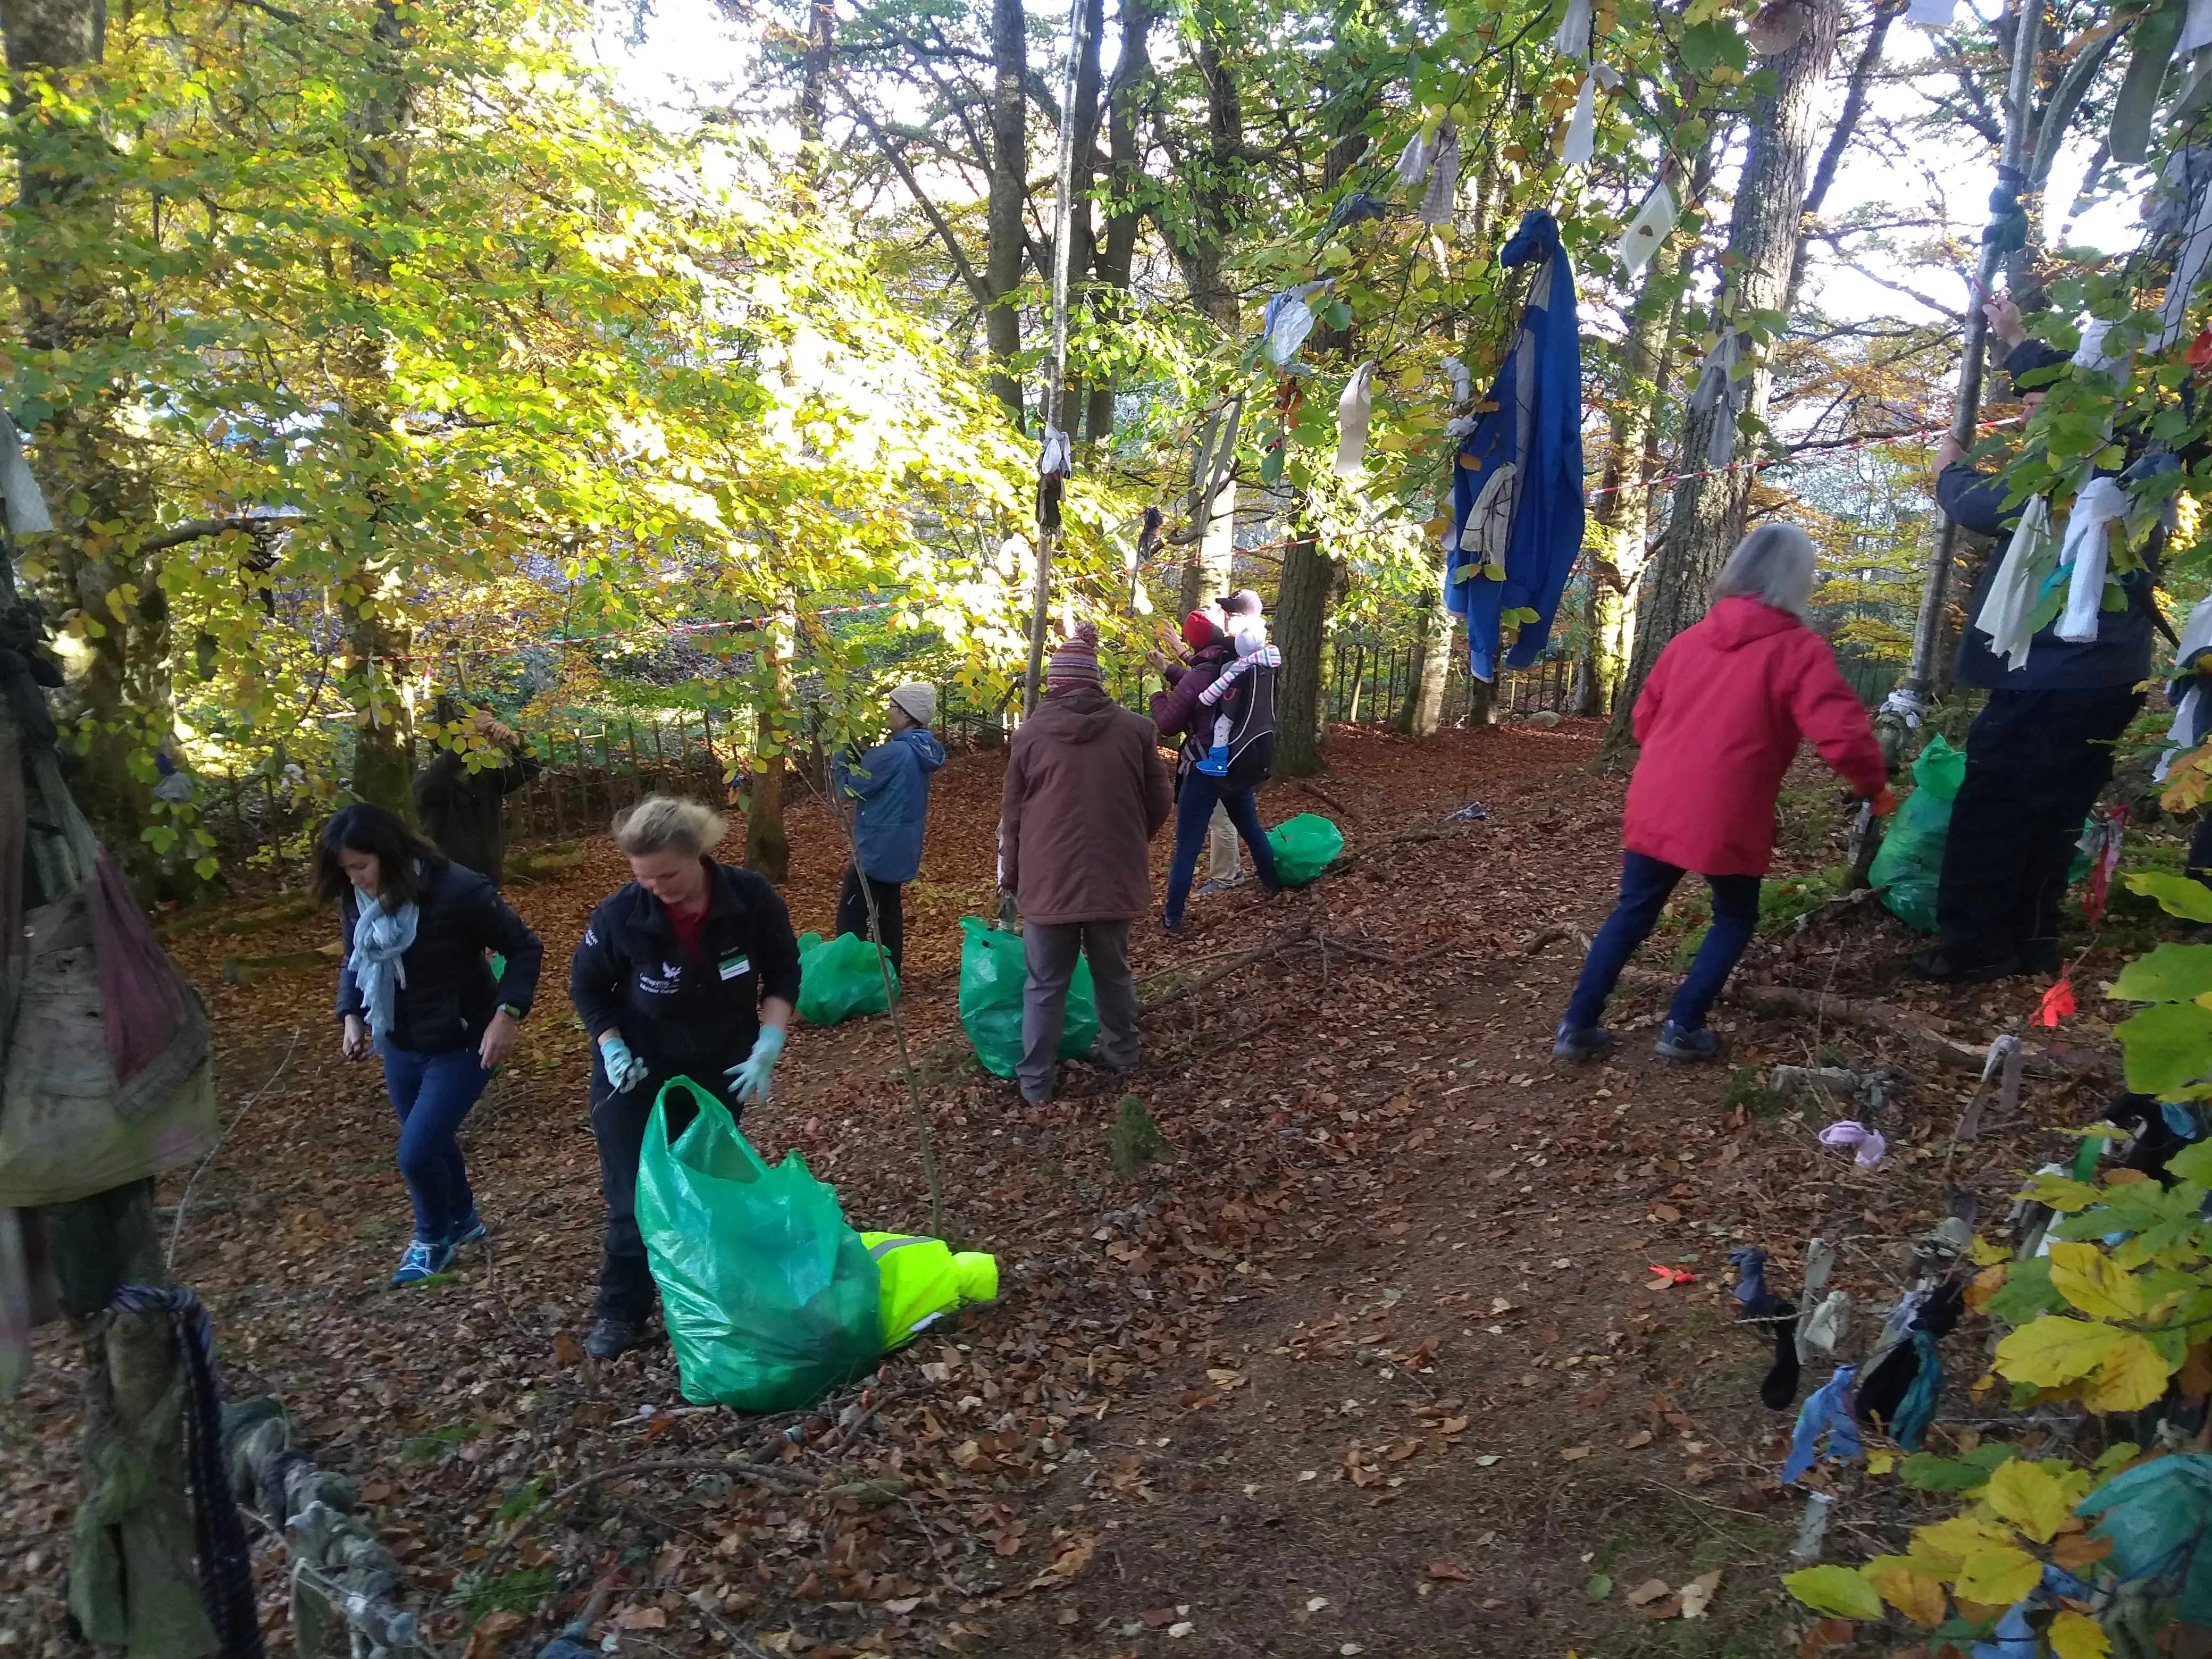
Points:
[(2036, 762), (618, 1124), (853, 914)]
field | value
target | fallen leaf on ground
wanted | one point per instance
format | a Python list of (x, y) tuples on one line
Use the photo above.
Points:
[(1572, 1454), (644, 1618), (1698, 1594), (1451, 1570), (1649, 1591), (1641, 1438)]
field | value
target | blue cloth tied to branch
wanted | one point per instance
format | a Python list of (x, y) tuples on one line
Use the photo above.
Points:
[(1518, 491)]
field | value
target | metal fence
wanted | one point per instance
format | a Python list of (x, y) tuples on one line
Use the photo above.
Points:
[(1370, 683)]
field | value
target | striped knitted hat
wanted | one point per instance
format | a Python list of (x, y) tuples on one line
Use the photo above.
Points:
[(1076, 662)]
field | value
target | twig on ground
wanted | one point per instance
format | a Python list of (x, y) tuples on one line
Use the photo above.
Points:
[(1177, 994), (184, 1198), (736, 1468), (1325, 798)]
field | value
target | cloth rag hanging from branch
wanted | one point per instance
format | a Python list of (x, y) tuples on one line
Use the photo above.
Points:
[(1518, 490)]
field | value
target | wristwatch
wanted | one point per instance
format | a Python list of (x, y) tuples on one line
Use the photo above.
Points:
[(511, 1010)]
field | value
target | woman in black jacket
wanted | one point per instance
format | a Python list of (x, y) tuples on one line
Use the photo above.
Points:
[(690, 971), (414, 986)]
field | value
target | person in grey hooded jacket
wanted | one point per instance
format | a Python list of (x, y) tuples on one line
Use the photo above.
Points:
[(890, 788)]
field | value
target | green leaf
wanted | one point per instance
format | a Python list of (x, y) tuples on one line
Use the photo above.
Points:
[(2192, 1162), (2168, 1047), (1598, 1586), (1706, 46), (1933, 1474), (1834, 1590), (2177, 894), (2171, 973)]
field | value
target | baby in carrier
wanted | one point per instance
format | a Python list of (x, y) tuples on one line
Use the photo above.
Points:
[(1230, 694)]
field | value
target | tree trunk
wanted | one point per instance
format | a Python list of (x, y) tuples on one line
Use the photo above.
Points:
[(1422, 711), (767, 849), (1083, 242), (1207, 577), (115, 637), (814, 84), (380, 637), (1623, 507), (1301, 625), (1765, 228), (1202, 248), (1009, 195), (1116, 259)]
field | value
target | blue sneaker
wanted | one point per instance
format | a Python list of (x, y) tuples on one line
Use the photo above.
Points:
[(1677, 1043), (1216, 764), (423, 1258), (468, 1233), (1580, 1042)]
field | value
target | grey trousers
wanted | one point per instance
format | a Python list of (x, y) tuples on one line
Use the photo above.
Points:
[(1050, 950), (1221, 845)]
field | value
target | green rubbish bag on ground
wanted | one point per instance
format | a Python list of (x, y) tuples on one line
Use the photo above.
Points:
[(1908, 864), (1305, 846), (840, 978), (992, 970), (769, 1298)]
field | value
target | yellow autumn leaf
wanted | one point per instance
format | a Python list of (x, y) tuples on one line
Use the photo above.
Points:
[(1984, 1253), (1949, 1541), (1908, 1585), (2130, 1377), (1999, 1576), (2077, 1636), (2093, 1282), (2053, 1351), (1831, 1589), (2031, 1496)]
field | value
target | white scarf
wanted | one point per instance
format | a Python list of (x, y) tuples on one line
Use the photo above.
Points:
[(1353, 410), (381, 939), (2010, 601), (2087, 549)]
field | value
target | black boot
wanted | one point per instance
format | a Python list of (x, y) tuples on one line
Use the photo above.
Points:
[(612, 1337), (1933, 964)]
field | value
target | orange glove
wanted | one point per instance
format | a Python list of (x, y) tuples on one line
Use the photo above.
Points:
[(1885, 802)]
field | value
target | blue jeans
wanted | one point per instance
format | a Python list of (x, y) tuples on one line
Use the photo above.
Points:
[(1645, 884), (1195, 804), (432, 1093)]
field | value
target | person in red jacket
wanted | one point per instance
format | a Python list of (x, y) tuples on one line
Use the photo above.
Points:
[(1719, 722)]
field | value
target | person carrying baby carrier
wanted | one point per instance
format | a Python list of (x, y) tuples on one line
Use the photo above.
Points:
[(1228, 726)]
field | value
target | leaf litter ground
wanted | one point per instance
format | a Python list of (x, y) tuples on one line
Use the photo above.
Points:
[(1370, 1359)]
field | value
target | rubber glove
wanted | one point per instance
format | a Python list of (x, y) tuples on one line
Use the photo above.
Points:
[(625, 1071), (749, 1079)]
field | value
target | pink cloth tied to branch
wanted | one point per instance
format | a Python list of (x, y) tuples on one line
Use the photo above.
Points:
[(1850, 1132)]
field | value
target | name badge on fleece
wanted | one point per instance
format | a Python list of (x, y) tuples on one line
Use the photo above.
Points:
[(737, 965)]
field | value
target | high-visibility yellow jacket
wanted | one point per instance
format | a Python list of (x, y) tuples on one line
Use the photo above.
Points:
[(923, 1279)]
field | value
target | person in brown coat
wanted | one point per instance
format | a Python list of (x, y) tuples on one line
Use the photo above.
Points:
[(1085, 791)]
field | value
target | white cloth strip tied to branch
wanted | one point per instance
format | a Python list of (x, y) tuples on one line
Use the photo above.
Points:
[(1907, 705), (2187, 167), (1653, 223), (1287, 321), (1443, 195), (1056, 458), (1720, 389), (1353, 410), (1931, 14), (2091, 354), (1582, 130), (1572, 38), (19, 491), (1413, 160), (2010, 602), (2087, 550), (2188, 720)]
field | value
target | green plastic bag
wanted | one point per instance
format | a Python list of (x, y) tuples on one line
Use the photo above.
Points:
[(993, 969), (840, 978), (1909, 865), (769, 1298), (1305, 846)]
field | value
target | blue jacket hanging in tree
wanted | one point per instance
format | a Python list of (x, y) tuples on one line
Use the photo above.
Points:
[(1518, 491)]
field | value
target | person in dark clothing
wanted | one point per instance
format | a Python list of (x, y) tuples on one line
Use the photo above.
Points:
[(889, 785), (691, 970), (462, 808), (414, 987), (1248, 746), (2040, 751)]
